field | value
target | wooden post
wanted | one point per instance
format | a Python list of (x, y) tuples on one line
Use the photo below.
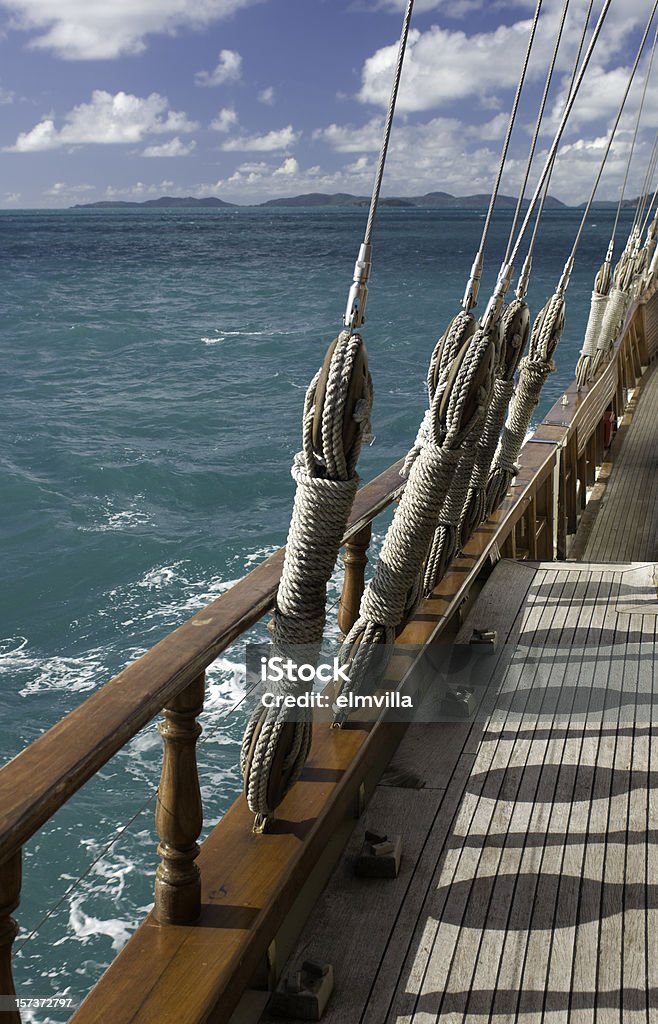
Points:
[(355, 559), (571, 459), (179, 814), (10, 894)]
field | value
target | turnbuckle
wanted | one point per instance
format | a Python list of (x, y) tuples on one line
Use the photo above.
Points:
[(356, 300), (495, 304)]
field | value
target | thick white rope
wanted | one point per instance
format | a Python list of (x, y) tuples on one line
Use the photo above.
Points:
[(515, 336), (407, 542), (473, 468), (326, 486), (446, 541), (615, 311), (459, 330), (595, 324), (533, 372)]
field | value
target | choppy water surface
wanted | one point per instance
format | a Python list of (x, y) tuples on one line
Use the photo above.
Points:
[(154, 370)]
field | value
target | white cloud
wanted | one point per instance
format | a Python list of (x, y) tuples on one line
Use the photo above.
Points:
[(61, 188), (225, 120), (443, 66), (141, 190), (228, 69), (601, 95), (107, 119), (175, 147), (86, 30), (7, 96), (288, 169), (283, 138), (450, 157), (350, 139), (266, 96)]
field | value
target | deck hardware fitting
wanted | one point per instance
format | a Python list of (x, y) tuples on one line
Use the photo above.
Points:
[(303, 994), (459, 703), (488, 637), (380, 856)]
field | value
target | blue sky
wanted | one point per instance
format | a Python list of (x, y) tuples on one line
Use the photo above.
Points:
[(253, 99)]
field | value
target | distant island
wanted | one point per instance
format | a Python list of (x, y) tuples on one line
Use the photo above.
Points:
[(117, 204), (433, 200)]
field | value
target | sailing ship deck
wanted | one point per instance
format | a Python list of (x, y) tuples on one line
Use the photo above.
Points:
[(528, 888)]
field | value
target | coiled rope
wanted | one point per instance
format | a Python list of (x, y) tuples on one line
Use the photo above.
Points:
[(516, 329), (533, 372), (336, 418), (456, 412)]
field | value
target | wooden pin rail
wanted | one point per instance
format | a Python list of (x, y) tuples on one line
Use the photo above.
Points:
[(217, 915)]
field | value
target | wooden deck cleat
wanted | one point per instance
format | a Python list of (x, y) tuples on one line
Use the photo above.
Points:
[(380, 856), (304, 994)]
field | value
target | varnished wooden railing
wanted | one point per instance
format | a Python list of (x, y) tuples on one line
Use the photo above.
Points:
[(535, 521)]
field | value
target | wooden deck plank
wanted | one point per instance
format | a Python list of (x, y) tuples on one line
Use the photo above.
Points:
[(626, 527), (540, 855), (434, 936), (356, 915), (533, 897)]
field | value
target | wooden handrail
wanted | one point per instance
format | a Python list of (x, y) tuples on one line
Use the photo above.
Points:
[(82, 742)]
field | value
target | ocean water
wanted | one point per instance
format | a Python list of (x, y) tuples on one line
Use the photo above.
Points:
[(155, 363)]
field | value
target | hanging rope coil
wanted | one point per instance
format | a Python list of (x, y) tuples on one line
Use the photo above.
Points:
[(615, 310), (457, 410), (461, 328), (533, 372), (516, 330), (336, 418), (457, 508), (653, 263), (599, 304), (445, 543)]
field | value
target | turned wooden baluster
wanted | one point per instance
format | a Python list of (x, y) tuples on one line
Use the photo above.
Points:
[(10, 894), (179, 814), (355, 559)]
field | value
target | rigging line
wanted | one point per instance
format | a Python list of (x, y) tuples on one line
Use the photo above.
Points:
[(505, 273), (642, 198), (560, 130), (640, 219), (531, 248), (538, 122), (473, 285), (358, 293), (650, 205), (637, 124), (612, 135)]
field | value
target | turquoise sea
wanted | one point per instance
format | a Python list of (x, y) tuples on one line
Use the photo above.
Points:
[(154, 367)]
